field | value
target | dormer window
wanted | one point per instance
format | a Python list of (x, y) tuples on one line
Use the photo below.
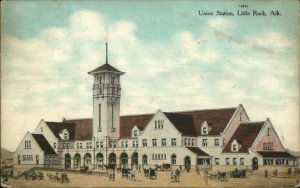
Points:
[(204, 128), (65, 135), (234, 146), (135, 133)]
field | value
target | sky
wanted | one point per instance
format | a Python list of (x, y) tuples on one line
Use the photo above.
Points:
[(174, 60)]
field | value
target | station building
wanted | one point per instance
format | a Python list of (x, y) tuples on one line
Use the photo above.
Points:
[(207, 138)]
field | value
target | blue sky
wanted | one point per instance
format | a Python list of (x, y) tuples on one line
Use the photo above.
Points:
[(174, 59)]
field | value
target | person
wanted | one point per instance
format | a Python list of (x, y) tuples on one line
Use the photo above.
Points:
[(177, 173), (289, 171), (266, 173), (198, 170)]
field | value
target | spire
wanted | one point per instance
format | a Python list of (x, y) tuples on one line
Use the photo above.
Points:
[(106, 55)]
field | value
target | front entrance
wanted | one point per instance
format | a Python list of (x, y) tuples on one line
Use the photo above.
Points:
[(254, 163), (124, 160), (67, 161), (135, 160), (112, 159), (187, 162)]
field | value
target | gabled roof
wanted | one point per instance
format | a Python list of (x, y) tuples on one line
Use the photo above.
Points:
[(106, 68), (128, 122), (83, 128), (217, 118), (43, 143), (275, 154), (184, 123), (198, 151), (245, 135), (58, 127)]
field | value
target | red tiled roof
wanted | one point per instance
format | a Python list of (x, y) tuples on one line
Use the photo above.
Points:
[(184, 123), (128, 122), (83, 128), (217, 118), (245, 135)]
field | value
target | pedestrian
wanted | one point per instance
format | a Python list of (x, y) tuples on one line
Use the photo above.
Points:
[(177, 174), (289, 171), (266, 173)]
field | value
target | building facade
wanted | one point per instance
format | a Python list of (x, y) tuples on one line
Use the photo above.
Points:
[(210, 138)]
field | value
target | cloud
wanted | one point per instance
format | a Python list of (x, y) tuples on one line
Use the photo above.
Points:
[(46, 76)]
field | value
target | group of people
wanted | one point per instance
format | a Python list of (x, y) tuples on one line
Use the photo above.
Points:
[(289, 172), (175, 175)]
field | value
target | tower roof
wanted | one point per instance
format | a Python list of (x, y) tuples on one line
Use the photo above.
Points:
[(106, 68)]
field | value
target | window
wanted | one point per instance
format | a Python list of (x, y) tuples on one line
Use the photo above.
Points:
[(28, 144), (101, 144), (217, 142), (135, 143), (77, 145), (204, 142), (64, 145), (204, 130), (268, 146), (173, 140), (268, 132), (154, 142), (135, 133), (217, 161), (126, 144), (68, 145), (27, 158), (54, 145), (81, 145), (227, 161), (122, 144), (189, 142), (164, 142), (159, 124), (65, 135), (144, 141), (173, 159), (234, 161), (234, 147), (242, 161), (97, 144), (41, 129), (185, 141), (193, 142)]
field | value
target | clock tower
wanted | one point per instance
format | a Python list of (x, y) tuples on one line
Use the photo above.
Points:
[(106, 100)]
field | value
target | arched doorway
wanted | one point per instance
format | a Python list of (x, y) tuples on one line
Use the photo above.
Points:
[(67, 161), (135, 160), (254, 163), (77, 160), (187, 162), (112, 159), (87, 159), (124, 159), (145, 162), (99, 160)]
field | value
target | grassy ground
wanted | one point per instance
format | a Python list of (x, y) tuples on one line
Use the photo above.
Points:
[(186, 180)]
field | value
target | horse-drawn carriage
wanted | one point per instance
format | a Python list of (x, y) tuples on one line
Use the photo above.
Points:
[(62, 178), (219, 176), (164, 166), (150, 173), (238, 173), (128, 173)]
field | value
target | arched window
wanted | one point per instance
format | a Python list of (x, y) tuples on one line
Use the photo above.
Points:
[(173, 159)]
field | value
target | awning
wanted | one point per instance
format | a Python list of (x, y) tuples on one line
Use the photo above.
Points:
[(275, 154)]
